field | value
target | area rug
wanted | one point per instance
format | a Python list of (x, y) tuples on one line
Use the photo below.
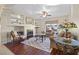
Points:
[(45, 45)]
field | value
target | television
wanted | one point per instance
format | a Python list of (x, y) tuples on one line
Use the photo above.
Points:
[(20, 33)]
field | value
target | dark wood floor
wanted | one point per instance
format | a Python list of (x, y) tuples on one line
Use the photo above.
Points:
[(21, 49)]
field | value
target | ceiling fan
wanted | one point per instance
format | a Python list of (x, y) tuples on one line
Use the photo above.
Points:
[(44, 13)]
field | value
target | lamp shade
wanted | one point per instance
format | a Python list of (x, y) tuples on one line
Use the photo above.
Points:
[(69, 25)]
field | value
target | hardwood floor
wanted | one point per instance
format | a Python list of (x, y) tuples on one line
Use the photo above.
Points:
[(21, 49)]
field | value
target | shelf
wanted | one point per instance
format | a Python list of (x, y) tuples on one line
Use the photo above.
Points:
[(21, 25), (16, 24)]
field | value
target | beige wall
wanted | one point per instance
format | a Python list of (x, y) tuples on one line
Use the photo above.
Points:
[(18, 28), (5, 29), (75, 17), (75, 14), (40, 26)]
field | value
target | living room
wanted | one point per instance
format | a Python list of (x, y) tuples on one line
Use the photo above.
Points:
[(31, 25)]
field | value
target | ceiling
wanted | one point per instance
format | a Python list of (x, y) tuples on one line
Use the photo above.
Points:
[(34, 9)]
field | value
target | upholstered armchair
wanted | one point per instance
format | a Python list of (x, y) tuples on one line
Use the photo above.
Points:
[(15, 36)]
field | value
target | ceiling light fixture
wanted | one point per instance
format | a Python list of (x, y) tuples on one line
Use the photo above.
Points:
[(45, 12)]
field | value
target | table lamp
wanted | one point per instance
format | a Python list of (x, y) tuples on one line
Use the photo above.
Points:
[(67, 26)]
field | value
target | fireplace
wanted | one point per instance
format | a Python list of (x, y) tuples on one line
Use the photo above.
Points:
[(29, 33), (20, 32)]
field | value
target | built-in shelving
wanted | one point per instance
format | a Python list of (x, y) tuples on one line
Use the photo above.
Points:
[(22, 22)]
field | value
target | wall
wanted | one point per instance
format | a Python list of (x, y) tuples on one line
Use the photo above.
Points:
[(75, 14), (75, 17), (19, 28), (5, 29)]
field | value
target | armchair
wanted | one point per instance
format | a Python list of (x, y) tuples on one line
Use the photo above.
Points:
[(16, 37)]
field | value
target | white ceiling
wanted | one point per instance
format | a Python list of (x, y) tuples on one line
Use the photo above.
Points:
[(33, 9)]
